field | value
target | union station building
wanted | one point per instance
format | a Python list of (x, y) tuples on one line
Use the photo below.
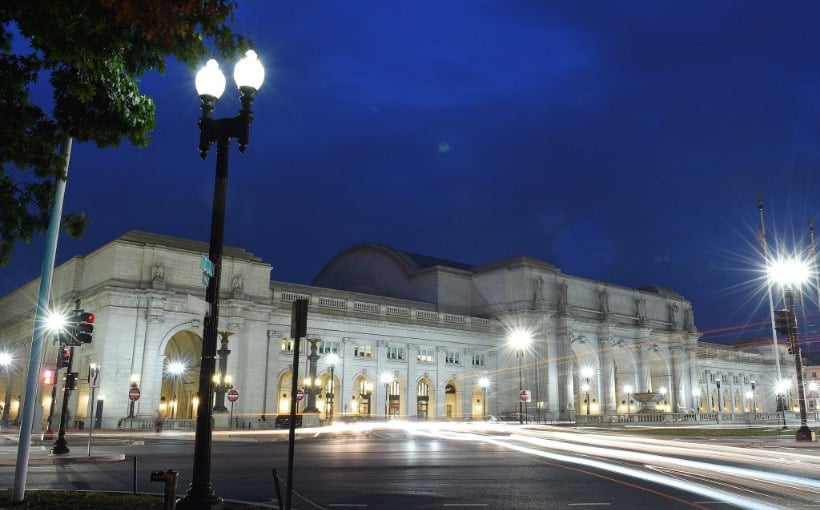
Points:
[(391, 334)]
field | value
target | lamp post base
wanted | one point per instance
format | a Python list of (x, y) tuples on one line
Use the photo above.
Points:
[(60, 447), (804, 433), (204, 499)]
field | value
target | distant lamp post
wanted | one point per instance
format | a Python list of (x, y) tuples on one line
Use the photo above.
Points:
[(586, 373), (176, 369), (717, 383), (484, 383), (754, 399), (386, 378), (790, 274), (5, 362), (210, 83), (628, 390), (332, 359), (781, 388), (519, 340), (222, 388), (696, 399)]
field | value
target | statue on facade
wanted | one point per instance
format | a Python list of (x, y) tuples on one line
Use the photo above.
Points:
[(563, 293), (158, 272), (641, 302), (237, 282), (673, 314), (604, 297), (538, 289), (689, 319)]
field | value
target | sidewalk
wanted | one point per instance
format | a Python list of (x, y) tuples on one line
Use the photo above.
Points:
[(40, 452)]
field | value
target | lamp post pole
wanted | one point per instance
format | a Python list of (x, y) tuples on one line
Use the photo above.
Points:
[(754, 400), (222, 388), (804, 432), (210, 83), (332, 359), (483, 382), (717, 383), (520, 355), (586, 388)]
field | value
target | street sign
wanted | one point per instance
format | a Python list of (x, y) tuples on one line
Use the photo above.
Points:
[(525, 396), (206, 265), (233, 395), (134, 394), (94, 376), (300, 394)]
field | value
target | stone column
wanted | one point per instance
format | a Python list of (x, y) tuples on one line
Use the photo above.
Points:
[(609, 400), (310, 389), (412, 399)]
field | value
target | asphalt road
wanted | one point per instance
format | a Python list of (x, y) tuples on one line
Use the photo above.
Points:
[(450, 469)]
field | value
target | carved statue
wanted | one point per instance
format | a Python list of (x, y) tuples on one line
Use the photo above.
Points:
[(237, 283), (604, 295), (158, 272), (538, 288), (673, 314), (641, 309), (563, 295)]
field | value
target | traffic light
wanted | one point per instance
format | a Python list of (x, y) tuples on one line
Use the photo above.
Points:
[(63, 358), (783, 322), (71, 380), (48, 377), (85, 328)]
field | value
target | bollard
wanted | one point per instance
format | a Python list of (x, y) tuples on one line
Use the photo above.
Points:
[(170, 479)]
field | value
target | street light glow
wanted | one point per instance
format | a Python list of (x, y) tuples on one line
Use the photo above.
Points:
[(55, 321), (519, 339), (587, 372), (789, 271), (484, 382), (332, 359), (5, 359), (386, 377), (176, 367)]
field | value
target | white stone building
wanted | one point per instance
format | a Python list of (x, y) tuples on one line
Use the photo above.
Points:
[(414, 336)]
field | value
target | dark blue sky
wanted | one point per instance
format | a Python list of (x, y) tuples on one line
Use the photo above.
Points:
[(620, 141)]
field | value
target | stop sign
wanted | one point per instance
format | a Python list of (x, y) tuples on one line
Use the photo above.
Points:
[(134, 394), (300, 394), (525, 396), (233, 395)]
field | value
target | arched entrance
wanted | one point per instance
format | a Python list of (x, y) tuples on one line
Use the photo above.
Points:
[(451, 400), (180, 376), (423, 399), (363, 396)]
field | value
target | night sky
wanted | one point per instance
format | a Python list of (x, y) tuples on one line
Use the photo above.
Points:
[(620, 141)]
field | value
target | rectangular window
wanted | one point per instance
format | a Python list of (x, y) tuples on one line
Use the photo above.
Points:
[(326, 347), (287, 345), (452, 358), (478, 360), (395, 353), (426, 355), (362, 351), (701, 377)]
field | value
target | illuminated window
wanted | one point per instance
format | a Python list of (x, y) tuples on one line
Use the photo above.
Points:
[(426, 355), (395, 353), (287, 345), (452, 358), (362, 351), (478, 360), (326, 347)]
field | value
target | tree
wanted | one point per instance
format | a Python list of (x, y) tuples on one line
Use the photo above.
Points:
[(93, 52)]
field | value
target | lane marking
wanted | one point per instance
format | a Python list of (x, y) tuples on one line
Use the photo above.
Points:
[(464, 505), (588, 504)]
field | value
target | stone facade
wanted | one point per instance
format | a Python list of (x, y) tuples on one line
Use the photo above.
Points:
[(414, 335)]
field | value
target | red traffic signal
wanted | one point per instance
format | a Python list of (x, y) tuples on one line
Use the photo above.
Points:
[(63, 358), (85, 328)]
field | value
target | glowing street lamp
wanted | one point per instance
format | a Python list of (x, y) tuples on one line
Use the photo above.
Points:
[(586, 373), (484, 383), (520, 341), (790, 274), (5, 362), (332, 359), (210, 83), (176, 369)]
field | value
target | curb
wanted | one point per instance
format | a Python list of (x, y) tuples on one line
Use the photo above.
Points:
[(59, 459)]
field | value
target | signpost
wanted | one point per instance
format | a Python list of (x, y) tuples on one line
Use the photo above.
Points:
[(93, 383), (233, 396), (300, 394), (133, 396), (207, 268)]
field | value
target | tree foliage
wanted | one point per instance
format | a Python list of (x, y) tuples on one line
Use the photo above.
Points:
[(93, 53)]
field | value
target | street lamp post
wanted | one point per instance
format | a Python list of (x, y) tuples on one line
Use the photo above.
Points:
[(754, 400), (5, 362), (696, 399), (210, 83), (484, 383), (628, 390), (520, 340), (222, 388), (332, 359), (717, 383), (790, 274), (586, 372), (386, 378)]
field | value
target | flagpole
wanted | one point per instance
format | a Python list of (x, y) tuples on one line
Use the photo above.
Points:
[(769, 285)]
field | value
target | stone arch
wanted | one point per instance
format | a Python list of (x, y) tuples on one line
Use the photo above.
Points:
[(585, 357), (180, 375), (362, 400), (330, 387), (425, 398), (284, 386), (625, 376), (451, 400)]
